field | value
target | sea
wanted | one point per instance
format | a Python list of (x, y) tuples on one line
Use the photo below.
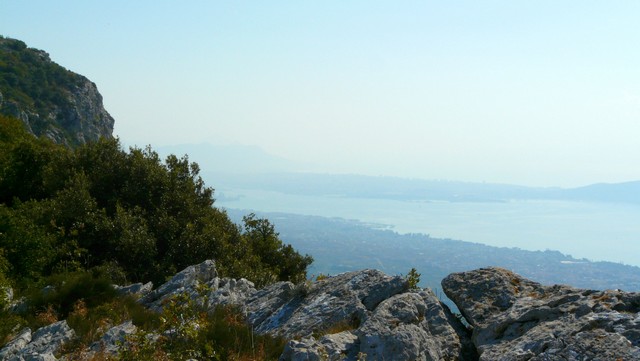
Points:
[(584, 230)]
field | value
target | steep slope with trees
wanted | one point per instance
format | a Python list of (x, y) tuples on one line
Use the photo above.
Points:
[(50, 100)]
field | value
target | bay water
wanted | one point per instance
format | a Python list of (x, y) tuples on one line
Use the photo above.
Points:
[(594, 231)]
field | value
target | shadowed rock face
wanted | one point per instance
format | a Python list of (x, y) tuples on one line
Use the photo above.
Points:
[(517, 319)]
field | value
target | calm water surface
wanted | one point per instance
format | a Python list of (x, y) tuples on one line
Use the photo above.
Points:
[(596, 231)]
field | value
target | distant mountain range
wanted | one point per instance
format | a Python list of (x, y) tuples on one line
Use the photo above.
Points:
[(249, 167), (359, 186)]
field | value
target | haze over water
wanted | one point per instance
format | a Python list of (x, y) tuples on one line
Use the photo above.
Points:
[(543, 93), (595, 231)]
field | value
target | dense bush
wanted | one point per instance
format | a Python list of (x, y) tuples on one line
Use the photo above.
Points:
[(100, 207)]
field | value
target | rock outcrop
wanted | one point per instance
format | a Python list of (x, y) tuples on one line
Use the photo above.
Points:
[(40, 345), (50, 100), (201, 282), (516, 319), (356, 313), (316, 307), (363, 314), (369, 315)]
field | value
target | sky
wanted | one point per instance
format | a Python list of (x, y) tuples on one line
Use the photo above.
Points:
[(542, 93)]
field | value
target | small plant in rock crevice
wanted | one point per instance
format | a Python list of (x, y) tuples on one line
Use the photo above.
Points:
[(413, 278)]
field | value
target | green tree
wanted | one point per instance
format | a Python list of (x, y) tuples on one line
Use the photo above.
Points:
[(101, 206), (413, 278)]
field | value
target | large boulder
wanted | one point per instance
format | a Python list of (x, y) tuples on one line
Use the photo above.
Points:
[(405, 326), (309, 308), (414, 326), (516, 319)]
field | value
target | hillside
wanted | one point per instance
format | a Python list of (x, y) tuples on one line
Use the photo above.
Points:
[(50, 100)]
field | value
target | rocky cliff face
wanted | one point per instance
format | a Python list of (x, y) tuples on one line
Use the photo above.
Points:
[(50, 100), (510, 318)]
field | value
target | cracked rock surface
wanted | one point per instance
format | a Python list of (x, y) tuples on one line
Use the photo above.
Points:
[(517, 319)]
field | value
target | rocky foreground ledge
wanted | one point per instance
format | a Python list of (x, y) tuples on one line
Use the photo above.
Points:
[(379, 318)]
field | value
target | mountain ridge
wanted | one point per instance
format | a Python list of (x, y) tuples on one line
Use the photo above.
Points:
[(51, 101)]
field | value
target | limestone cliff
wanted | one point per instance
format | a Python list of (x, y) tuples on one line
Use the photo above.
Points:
[(51, 101)]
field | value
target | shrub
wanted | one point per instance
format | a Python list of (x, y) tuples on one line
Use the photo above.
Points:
[(64, 291), (188, 331), (413, 278)]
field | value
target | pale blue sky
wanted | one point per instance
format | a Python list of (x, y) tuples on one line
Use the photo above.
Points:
[(526, 92)]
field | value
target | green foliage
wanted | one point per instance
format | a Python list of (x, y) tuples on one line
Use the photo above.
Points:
[(26, 245), (9, 325), (413, 278), (321, 276), (90, 323), (99, 206), (86, 300), (189, 331), (4, 281), (277, 261), (65, 290)]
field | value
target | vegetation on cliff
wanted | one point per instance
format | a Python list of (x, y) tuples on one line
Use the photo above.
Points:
[(51, 100)]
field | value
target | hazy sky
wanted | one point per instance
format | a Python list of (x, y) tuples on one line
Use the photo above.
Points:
[(526, 92)]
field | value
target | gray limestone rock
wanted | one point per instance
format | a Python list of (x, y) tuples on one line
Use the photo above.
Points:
[(48, 339), (230, 291), (343, 299), (517, 319), (186, 281), (114, 338), (16, 345), (265, 302), (135, 289), (41, 345), (413, 326), (367, 314), (202, 284), (305, 349), (334, 347)]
